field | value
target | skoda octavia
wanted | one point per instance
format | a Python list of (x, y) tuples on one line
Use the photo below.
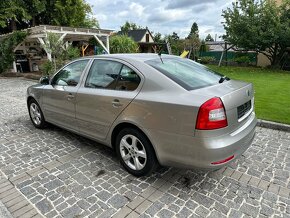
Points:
[(151, 109)]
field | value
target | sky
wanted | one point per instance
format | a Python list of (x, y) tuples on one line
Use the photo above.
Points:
[(164, 16)]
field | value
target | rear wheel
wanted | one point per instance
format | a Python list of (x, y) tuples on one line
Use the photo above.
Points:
[(36, 114), (135, 152)]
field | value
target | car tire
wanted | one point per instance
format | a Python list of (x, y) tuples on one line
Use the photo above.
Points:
[(135, 152), (36, 115)]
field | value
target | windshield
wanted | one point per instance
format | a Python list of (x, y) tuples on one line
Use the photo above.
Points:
[(187, 73)]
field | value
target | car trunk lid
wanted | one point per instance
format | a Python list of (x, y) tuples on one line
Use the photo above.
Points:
[(237, 97)]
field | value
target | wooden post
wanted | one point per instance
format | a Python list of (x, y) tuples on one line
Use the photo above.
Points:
[(48, 53), (226, 51), (62, 37), (84, 48), (102, 44), (108, 44), (221, 58), (14, 67)]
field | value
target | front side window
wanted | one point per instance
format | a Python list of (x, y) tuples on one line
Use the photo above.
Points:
[(103, 74), (70, 75)]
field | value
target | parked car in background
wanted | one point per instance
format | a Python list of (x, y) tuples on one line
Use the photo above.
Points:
[(151, 109)]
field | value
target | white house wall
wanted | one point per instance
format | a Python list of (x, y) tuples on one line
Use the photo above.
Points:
[(144, 38)]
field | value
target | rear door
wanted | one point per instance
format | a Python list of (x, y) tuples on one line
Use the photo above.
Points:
[(58, 101), (109, 88)]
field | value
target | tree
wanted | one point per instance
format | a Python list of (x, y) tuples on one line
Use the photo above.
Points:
[(123, 44), (20, 14), (261, 26), (192, 44), (193, 31), (60, 51), (53, 45), (129, 26), (12, 11), (173, 37), (175, 43), (34, 8), (209, 38), (7, 44), (90, 22), (73, 13), (203, 46), (158, 38), (46, 17)]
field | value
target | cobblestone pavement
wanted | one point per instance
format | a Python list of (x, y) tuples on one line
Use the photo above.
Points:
[(54, 173)]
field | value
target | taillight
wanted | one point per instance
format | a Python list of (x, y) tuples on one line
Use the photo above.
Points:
[(211, 115)]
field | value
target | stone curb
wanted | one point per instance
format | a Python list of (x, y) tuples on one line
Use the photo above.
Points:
[(273, 125), (13, 203), (28, 79)]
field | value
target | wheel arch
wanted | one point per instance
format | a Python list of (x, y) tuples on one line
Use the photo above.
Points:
[(43, 123), (124, 125), (29, 98)]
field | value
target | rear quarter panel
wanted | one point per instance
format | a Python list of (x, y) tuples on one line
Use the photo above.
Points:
[(162, 104)]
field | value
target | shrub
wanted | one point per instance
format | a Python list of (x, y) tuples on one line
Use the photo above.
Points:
[(122, 44), (242, 60), (47, 68), (72, 53), (67, 54), (206, 59)]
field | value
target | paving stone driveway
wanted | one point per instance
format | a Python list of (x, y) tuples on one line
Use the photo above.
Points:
[(54, 173)]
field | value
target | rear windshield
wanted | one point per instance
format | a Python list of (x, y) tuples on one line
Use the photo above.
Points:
[(187, 73)]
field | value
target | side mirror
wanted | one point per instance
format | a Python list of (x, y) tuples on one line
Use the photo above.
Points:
[(44, 80)]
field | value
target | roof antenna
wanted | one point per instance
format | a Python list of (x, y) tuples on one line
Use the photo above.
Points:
[(159, 54)]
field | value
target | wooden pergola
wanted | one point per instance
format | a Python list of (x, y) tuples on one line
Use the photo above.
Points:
[(38, 34)]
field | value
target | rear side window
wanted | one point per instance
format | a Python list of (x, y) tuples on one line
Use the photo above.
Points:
[(103, 74), (187, 73), (128, 80), (108, 74)]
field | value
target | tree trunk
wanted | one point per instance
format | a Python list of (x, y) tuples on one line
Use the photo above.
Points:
[(274, 55), (54, 62), (33, 21), (13, 26)]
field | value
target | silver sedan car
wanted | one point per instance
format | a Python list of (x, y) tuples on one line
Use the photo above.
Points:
[(151, 109)]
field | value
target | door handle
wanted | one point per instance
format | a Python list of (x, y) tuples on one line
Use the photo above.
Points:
[(116, 103), (70, 96)]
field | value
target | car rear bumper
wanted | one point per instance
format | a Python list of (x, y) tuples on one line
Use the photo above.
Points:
[(193, 152)]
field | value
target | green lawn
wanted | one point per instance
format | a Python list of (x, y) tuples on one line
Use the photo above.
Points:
[(272, 90)]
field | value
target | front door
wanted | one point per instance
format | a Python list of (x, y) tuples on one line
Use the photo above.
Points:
[(109, 88), (59, 97)]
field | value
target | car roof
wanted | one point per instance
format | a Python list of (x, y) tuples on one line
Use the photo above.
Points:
[(134, 56)]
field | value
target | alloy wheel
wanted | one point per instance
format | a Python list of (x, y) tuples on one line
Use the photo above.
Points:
[(35, 114), (133, 152)]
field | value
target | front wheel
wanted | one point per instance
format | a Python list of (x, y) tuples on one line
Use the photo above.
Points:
[(36, 114), (135, 152)]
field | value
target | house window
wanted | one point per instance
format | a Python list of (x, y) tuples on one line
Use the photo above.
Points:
[(147, 37)]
